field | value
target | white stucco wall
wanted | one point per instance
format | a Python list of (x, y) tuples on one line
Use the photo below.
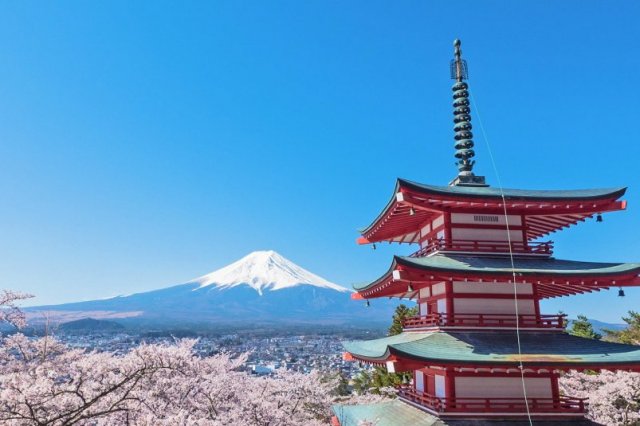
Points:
[(493, 288), (493, 306), (485, 219), (502, 387), (479, 234), (419, 381)]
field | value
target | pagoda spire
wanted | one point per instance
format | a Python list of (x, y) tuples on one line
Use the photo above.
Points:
[(462, 123)]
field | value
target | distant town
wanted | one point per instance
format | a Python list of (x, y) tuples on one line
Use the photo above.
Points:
[(301, 353)]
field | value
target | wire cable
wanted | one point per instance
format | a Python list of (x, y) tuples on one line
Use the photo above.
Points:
[(513, 266)]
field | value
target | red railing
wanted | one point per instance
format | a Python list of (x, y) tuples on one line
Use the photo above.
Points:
[(560, 405), (485, 320), (519, 247)]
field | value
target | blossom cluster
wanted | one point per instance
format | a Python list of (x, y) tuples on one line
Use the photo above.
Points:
[(613, 397), (44, 382)]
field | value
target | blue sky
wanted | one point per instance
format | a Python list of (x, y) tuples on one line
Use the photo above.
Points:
[(143, 144)]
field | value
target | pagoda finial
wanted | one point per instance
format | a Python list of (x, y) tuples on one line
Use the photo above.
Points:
[(458, 65), (462, 122)]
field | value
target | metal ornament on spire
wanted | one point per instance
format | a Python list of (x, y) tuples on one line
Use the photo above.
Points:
[(462, 123)]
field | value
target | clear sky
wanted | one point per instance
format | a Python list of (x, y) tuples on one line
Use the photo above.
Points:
[(146, 143)]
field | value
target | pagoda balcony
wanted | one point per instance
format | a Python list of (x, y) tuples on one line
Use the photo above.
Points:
[(491, 247), (437, 320), (559, 406)]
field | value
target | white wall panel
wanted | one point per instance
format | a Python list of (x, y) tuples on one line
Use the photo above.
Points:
[(502, 387), (440, 393), (425, 292), (492, 288), (426, 229), (438, 289), (479, 234), (424, 309), (493, 306), (485, 219), (419, 381)]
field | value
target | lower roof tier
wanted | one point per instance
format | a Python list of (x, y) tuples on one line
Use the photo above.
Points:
[(553, 350), (399, 413), (388, 413), (554, 277)]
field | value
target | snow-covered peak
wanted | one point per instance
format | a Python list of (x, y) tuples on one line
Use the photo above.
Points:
[(264, 270)]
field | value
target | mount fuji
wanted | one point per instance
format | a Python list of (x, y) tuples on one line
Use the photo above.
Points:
[(264, 271), (262, 287)]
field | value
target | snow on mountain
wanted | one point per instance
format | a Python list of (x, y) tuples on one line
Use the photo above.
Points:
[(259, 289), (264, 271)]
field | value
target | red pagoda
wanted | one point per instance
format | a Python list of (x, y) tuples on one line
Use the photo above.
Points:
[(480, 347)]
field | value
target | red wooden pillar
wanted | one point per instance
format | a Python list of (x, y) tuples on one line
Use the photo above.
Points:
[(447, 228), (536, 301), (555, 389), (448, 293), (449, 389), (523, 223)]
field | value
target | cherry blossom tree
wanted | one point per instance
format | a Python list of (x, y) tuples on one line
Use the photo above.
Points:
[(614, 397), (9, 311), (43, 382)]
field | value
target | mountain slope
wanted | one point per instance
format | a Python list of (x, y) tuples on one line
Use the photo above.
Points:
[(263, 286)]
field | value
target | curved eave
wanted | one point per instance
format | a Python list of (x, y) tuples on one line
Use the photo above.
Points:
[(614, 269), (388, 207), (515, 194), (550, 282), (379, 281), (379, 350), (413, 204)]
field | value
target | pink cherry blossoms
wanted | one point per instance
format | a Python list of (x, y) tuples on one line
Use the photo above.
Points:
[(9, 311), (614, 397), (45, 382)]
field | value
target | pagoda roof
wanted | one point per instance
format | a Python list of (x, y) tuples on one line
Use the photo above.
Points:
[(400, 413), (414, 204), (555, 277), (477, 348), (515, 194), (392, 413)]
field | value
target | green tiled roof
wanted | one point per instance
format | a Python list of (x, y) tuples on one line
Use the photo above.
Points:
[(486, 191), (502, 265), (397, 413), (499, 347), (393, 413), (523, 266)]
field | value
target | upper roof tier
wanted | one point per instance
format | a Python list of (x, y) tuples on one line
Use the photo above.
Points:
[(413, 205)]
